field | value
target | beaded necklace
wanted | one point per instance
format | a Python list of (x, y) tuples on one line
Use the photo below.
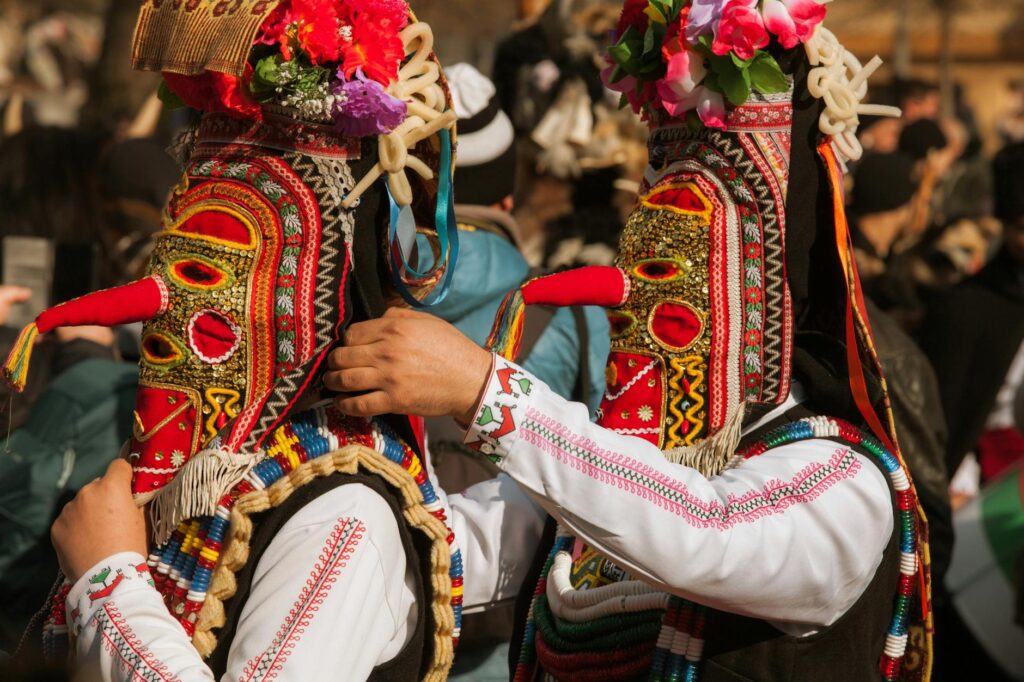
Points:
[(678, 651), (182, 568)]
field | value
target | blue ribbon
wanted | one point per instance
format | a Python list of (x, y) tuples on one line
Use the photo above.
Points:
[(402, 236)]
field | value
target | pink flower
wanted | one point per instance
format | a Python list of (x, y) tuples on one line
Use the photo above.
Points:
[(711, 109), (623, 85), (708, 104), (740, 30), (793, 21), (685, 72)]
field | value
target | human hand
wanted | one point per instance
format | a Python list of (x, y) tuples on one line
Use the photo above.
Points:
[(10, 296), (101, 336), (408, 362), (101, 521)]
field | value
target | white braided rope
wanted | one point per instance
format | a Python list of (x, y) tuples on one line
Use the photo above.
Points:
[(838, 78), (418, 85), (579, 606)]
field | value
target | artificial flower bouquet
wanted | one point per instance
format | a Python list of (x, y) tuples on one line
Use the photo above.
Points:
[(688, 58), (326, 60)]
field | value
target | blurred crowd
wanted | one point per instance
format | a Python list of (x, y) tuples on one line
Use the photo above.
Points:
[(550, 166)]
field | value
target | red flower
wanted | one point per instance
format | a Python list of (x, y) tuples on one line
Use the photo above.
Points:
[(375, 48), (727, 173), (293, 239), (310, 25), (753, 295), (286, 281), (285, 323), (740, 30), (752, 337), (675, 36), (394, 11), (752, 250), (214, 91), (633, 14), (753, 380)]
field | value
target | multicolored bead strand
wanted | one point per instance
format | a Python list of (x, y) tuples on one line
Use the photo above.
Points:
[(183, 567), (906, 501), (679, 647)]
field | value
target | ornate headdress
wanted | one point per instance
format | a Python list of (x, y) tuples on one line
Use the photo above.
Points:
[(327, 136), (276, 215), (748, 138)]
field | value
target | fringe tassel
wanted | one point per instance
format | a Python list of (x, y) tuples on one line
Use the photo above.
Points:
[(713, 455), (197, 489), (16, 367), (507, 332)]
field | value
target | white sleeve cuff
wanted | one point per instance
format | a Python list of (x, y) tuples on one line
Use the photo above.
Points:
[(120, 573), (493, 430)]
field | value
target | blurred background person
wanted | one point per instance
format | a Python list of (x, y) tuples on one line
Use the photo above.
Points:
[(567, 347), (975, 339)]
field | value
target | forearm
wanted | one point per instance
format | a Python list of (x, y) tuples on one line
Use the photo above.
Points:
[(498, 527), (123, 628), (712, 540)]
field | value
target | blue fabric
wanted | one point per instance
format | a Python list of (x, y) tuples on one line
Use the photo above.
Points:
[(402, 235), (488, 269)]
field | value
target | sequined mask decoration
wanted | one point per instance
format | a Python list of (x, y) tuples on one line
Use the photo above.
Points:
[(707, 323)]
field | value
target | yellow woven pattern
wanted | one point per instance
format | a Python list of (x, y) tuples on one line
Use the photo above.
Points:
[(197, 35)]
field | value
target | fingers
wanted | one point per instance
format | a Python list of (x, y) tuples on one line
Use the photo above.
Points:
[(366, 405), (10, 293), (347, 357), (356, 380), (363, 333), (400, 311), (119, 473)]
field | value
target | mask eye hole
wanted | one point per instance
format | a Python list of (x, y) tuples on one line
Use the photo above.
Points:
[(161, 350), (198, 274), (659, 270), (621, 322)]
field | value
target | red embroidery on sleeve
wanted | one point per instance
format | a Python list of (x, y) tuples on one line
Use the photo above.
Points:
[(337, 551)]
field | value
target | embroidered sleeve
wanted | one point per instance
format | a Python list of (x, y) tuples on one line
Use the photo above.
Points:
[(493, 430), (794, 535), (329, 594), (124, 631), (342, 542), (329, 597)]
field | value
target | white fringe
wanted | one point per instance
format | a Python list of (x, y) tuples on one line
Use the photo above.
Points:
[(197, 489), (712, 455)]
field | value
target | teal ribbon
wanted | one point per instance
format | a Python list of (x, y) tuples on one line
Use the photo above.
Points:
[(402, 237)]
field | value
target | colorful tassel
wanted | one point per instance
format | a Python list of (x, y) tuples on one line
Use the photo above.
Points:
[(16, 366), (507, 333)]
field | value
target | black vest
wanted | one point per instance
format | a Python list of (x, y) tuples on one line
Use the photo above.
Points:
[(412, 661), (741, 649)]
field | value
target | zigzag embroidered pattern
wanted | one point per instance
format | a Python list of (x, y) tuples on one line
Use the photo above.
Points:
[(641, 480), (131, 655), (342, 543)]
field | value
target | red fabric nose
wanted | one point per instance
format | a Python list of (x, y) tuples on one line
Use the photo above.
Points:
[(136, 302), (599, 285)]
